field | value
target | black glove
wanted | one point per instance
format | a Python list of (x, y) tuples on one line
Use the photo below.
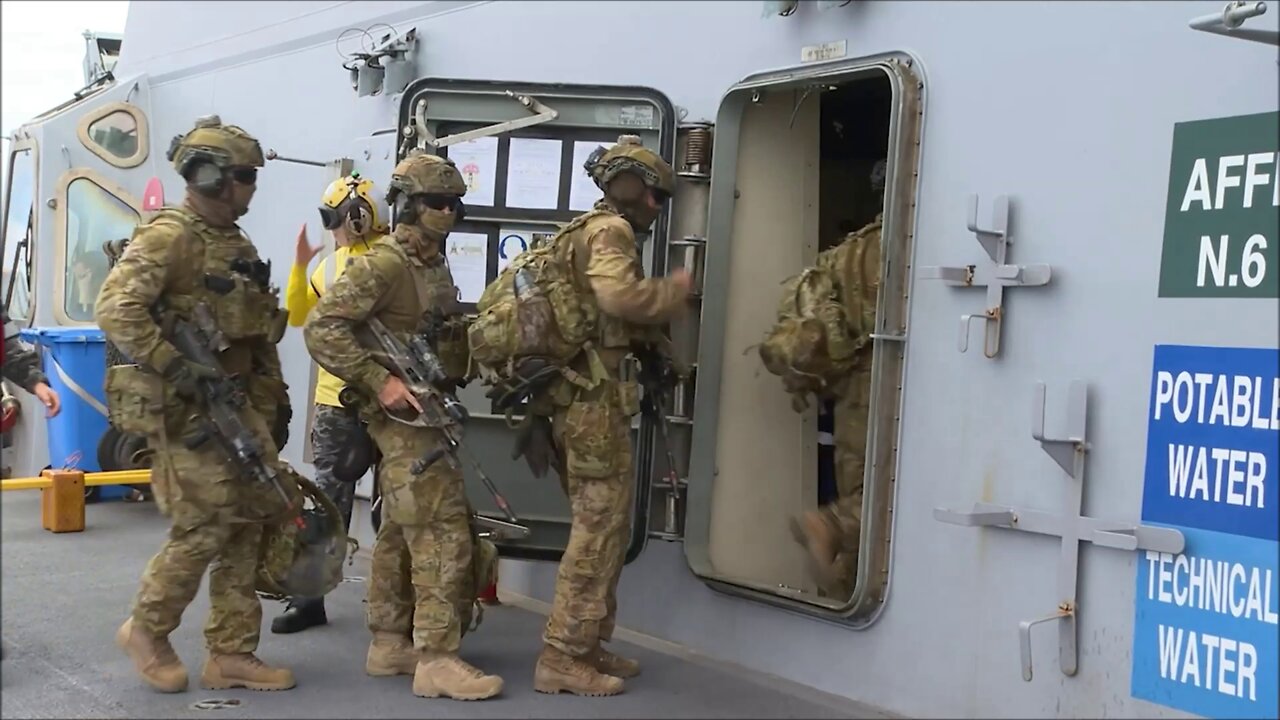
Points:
[(185, 375), (280, 428)]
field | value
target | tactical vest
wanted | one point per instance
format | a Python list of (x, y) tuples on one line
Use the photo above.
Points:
[(408, 307), (231, 280), (825, 318), (221, 269), (540, 320)]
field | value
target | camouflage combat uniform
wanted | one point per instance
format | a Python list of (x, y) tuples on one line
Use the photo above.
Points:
[(421, 565), (592, 429), (216, 515), (21, 361), (833, 532)]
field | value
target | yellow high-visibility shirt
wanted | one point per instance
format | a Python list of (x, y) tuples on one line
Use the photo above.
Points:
[(301, 296)]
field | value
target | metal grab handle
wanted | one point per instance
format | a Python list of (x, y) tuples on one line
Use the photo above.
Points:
[(1024, 637)]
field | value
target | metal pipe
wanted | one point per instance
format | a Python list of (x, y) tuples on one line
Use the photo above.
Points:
[(271, 155), (119, 477), (1228, 23), (1231, 17)]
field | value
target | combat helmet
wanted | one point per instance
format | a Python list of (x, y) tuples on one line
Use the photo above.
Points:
[(302, 555), (629, 155), (352, 202), (210, 141), (431, 177)]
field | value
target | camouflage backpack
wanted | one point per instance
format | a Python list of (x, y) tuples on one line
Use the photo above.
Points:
[(824, 319), (532, 321), (302, 555)]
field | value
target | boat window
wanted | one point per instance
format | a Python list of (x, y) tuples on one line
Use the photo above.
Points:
[(94, 216), (116, 133), (18, 226)]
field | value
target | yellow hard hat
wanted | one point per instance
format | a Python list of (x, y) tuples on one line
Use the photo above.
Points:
[(351, 201)]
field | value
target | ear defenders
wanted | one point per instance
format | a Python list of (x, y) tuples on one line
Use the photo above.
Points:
[(207, 178)]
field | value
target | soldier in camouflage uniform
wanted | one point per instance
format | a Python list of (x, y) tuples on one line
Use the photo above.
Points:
[(832, 532), (21, 365), (421, 565), (186, 256), (592, 427)]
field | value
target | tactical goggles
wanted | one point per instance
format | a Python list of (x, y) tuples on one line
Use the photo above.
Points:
[(440, 201), (244, 175), (330, 218), (659, 196)]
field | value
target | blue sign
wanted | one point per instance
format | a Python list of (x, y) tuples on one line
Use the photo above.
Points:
[(502, 246), (1206, 620)]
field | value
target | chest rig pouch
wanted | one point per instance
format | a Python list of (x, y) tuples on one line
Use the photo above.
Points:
[(231, 279), (438, 301)]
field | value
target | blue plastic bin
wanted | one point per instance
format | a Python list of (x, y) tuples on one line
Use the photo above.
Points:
[(74, 433)]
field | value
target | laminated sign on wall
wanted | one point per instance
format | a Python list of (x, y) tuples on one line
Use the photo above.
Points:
[(1222, 213), (1205, 627)]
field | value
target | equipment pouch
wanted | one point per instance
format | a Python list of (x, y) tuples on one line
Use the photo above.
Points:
[(589, 438), (629, 398), (279, 323), (245, 311), (491, 335), (136, 399), (452, 349)]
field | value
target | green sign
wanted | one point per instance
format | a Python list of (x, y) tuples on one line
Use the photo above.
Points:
[(1222, 221)]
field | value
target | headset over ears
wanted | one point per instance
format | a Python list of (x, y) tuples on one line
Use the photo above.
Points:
[(203, 155), (349, 202)]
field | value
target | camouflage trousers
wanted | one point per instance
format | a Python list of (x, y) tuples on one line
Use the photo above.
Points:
[(594, 437), (216, 525), (421, 565), (850, 431), (331, 433)]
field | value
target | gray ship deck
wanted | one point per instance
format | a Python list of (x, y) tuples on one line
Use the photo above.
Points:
[(65, 595)]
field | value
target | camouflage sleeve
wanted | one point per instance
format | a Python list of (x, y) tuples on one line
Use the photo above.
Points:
[(330, 329), (618, 280), (123, 308), (21, 361)]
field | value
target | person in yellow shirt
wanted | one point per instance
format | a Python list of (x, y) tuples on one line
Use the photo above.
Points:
[(350, 210)]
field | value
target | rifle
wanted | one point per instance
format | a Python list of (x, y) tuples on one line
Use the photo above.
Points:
[(422, 373), (199, 341), (655, 376)]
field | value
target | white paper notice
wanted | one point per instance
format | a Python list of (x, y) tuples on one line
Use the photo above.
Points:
[(513, 241), (468, 255), (583, 192), (477, 160), (533, 174)]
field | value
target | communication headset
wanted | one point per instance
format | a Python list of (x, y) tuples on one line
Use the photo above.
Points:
[(199, 167), (359, 218), (354, 212)]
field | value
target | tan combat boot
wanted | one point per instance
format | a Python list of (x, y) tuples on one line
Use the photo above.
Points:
[(615, 665), (153, 657), (557, 672), (223, 672), (449, 675), (818, 534), (390, 654)]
